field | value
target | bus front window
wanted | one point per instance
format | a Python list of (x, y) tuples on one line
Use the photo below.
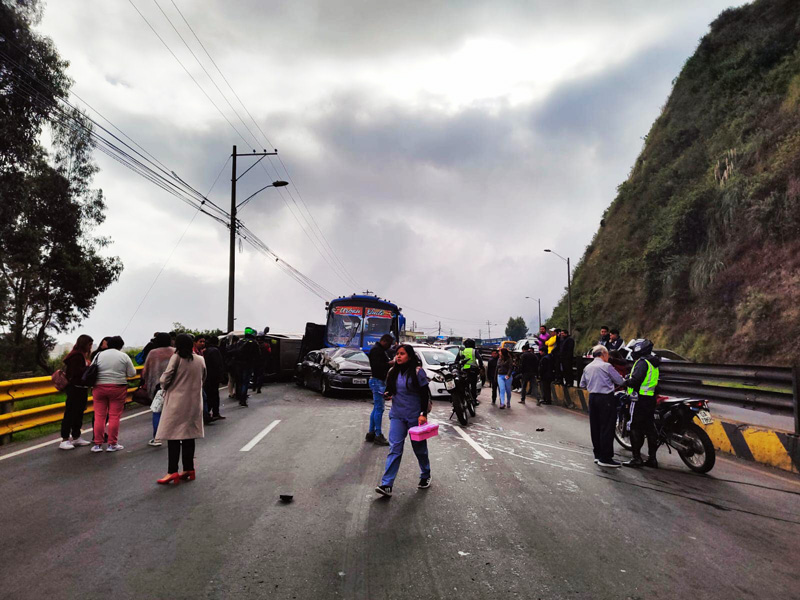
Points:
[(344, 326)]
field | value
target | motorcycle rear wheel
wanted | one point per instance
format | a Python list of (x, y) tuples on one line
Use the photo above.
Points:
[(460, 409), (704, 456), (622, 438), (470, 402)]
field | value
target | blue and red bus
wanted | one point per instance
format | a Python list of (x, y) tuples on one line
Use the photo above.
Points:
[(359, 321)]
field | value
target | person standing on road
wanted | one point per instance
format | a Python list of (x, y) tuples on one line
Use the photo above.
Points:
[(528, 366), (505, 367), (407, 386), (472, 366), (75, 363), (114, 367), (182, 415), (599, 379), (491, 373), (547, 374), (154, 366), (567, 357), (642, 384), (379, 364), (247, 354), (215, 371), (614, 341)]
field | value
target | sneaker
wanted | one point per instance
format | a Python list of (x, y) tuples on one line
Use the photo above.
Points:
[(97, 448), (81, 442), (522, 401), (502, 406), (219, 418), (154, 442), (384, 490), (612, 464), (635, 463), (66, 445), (651, 462), (370, 437), (424, 482), (596, 460), (380, 440), (114, 447)]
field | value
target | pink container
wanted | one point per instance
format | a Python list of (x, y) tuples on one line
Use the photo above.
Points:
[(423, 432)]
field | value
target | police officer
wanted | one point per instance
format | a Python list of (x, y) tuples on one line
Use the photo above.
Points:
[(472, 366), (642, 383)]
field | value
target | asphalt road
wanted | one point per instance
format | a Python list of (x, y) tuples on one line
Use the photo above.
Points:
[(536, 520)]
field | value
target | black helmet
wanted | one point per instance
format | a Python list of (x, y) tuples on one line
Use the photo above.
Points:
[(469, 343), (642, 348)]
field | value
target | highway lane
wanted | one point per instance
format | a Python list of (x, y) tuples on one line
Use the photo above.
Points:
[(536, 520)]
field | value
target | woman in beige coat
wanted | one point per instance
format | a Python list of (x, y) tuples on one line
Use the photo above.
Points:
[(182, 415)]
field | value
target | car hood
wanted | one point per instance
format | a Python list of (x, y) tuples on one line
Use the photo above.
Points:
[(351, 365)]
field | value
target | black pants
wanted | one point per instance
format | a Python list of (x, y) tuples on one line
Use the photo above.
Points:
[(493, 383), (528, 379), (566, 373), (602, 419), (547, 391), (643, 425), (174, 448), (472, 380), (73, 412), (212, 396)]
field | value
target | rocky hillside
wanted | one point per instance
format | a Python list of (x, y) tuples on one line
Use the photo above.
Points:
[(700, 250)]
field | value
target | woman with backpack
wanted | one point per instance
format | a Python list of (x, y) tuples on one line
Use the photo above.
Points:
[(407, 386), (75, 363), (182, 414)]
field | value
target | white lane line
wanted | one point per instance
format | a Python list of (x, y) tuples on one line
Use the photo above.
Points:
[(249, 446), (58, 439), (473, 443)]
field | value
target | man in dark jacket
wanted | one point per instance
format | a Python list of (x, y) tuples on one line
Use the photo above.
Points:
[(566, 351), (615, 342), (605, 337), (215, 371), (379, 363), (642, 384), (528, 366), (491, 373), (246, 356), (547, 373)]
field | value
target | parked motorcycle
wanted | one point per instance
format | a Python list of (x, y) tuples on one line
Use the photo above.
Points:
[(675, 426), (455, 382)]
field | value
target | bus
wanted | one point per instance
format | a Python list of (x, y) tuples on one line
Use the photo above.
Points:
[(359, 321)]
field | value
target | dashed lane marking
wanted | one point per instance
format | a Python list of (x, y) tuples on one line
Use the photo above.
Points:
[(473, 443), (251, 444)]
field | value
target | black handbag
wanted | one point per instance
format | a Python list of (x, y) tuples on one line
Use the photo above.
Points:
[(89, 377)]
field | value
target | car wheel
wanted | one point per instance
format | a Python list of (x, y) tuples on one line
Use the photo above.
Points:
[(325, 388)]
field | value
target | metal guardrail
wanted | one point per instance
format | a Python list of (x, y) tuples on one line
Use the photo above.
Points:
[(16, 390)]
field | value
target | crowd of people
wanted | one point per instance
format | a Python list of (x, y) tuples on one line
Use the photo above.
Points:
[(180, 381)]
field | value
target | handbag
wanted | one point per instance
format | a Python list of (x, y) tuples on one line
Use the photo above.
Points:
[(158, 401), (142, 397), (59, 380), (89, 377)]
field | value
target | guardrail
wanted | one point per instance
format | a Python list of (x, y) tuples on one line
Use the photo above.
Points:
[(16, 390)]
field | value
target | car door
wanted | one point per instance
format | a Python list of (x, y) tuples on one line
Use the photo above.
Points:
[(307, 369)]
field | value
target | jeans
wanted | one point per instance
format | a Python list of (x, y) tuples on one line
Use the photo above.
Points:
[(156, 421), (109, 400), (378, 387), (174, 448), (398, 428), (243, 375), (504, 386), (73, 412), (602, 419)]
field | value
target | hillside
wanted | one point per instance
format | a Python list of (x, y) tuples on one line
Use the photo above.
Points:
[(700, 250)]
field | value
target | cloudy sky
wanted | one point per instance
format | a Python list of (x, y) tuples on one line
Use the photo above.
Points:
[(437, 147)]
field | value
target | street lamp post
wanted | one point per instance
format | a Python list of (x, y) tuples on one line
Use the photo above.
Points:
[(233, 226), (569, 290), (539, 300)]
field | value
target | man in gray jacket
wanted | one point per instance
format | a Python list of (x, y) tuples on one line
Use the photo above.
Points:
[(600, 378)]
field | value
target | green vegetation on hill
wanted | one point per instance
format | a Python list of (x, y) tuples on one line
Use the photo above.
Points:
[(700, 250)]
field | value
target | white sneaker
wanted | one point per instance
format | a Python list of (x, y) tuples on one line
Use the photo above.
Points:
[(65, 445), (97, 448), (114, 447), (80, 442), (154, 442)]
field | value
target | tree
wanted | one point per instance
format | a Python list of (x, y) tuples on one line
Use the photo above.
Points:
[(516, 328), (51, 265), (180, 328)]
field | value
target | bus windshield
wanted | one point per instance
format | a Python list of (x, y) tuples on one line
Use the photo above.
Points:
[(345, 325)]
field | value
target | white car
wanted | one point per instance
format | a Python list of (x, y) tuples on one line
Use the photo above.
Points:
[(434, 358)]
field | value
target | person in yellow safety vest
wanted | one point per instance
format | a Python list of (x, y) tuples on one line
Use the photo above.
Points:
[(641, 384), (472, 366)]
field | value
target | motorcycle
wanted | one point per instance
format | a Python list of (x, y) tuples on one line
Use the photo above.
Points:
[(455, 382), (675, 426)]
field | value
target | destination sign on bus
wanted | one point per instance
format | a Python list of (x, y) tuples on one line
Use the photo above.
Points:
[(353, 311), (378, 313)]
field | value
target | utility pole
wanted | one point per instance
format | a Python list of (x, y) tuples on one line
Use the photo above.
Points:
[(440, 328), (489, 325), (233, 226), (480, 336)]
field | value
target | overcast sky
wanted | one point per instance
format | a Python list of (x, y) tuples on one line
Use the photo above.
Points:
[(438, 146)]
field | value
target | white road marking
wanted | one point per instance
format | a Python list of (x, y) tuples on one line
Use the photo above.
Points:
[(537, 443), (536, 460), (249, 446), (58, 439), (473, 443)]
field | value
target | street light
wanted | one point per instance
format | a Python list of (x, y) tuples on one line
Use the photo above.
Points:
[(273, 184), (539, 300), (569, 290)]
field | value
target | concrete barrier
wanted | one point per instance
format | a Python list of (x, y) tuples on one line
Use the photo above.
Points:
[(779, 449)]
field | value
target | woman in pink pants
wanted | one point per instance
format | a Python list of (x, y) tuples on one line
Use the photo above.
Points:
[(114, 367)]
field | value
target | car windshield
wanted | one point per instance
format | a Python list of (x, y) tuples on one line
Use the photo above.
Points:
[(454, 350), (438, 357)]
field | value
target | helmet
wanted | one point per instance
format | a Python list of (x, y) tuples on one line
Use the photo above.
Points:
[(249, 331), (642, 348), (469, 343)]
